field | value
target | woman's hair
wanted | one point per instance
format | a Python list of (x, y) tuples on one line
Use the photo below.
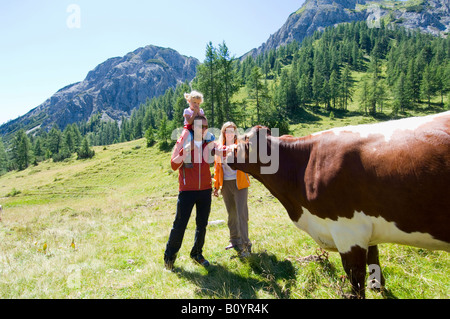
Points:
[(222, 138), (193, 95)]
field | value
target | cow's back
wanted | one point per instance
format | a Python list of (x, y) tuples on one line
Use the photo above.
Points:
[(395, 173)]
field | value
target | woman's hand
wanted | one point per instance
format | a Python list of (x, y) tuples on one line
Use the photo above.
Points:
[(216, 192)]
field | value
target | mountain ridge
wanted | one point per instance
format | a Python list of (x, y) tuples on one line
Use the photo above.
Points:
[(430, 16), (114, 88)]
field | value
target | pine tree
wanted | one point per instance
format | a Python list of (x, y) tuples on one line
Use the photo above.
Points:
[(209, 81), (439, 82), (218, 79), (85, 151), (334, 87), (256, 89), (364, 95), (77, 136), (401, 97), (375, 94), (54, 140), (167, 105), (316, 86), (137, 127), (428, 84), (179, 107), (3, 158), (446, 81), (125, 130), (150, 136), (356, 57), (69, 139), (292, 98), (38, 149), (164, 133), (66, 146), (381, 94), (229, 80), (413, 81), (22, 152), (374, 67), (364, 40), (326, 94), (346, 87)]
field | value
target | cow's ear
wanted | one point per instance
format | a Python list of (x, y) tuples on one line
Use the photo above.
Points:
[(264, 128)]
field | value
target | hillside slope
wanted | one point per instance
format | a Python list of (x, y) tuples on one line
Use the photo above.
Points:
[(97, 228)]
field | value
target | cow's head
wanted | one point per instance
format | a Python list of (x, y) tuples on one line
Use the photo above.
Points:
[(255, 152)]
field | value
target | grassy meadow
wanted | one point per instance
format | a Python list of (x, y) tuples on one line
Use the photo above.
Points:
[(97, 228)]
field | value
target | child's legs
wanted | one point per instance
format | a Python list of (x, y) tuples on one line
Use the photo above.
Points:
[(187, 137)]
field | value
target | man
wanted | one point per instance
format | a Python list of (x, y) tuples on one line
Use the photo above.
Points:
[(194, 189)]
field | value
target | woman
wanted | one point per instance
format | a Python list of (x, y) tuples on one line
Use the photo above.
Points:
[(234, 185)]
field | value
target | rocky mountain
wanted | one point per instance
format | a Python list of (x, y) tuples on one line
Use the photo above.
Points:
[(114, 88), (431, 16)]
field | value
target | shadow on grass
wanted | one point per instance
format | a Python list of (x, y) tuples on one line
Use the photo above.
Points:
[(261, 271), (264, 272)]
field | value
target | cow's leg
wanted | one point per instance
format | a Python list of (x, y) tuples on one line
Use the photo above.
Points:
[(373, 259), (354, 262)]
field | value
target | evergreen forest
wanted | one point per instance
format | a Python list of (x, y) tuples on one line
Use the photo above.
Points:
[(351, 68)]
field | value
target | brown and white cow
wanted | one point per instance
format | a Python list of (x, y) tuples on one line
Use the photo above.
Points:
[(354, 187)]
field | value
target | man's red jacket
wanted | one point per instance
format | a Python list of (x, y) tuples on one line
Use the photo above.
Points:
[(199, 176)]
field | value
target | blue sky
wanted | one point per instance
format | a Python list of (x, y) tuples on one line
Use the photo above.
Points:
[(42, 50)]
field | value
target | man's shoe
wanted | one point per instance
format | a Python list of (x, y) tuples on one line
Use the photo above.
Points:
[(200, 260), (168, 263)]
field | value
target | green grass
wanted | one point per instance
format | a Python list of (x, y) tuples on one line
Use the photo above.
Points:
[(118, 209)]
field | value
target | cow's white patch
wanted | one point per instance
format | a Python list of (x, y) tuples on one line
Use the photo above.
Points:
[(386, 129), (362, 230)]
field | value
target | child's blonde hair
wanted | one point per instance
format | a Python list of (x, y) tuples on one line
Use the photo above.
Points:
[(193, 95)]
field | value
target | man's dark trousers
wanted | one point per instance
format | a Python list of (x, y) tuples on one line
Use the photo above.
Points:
[(186, 201)]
